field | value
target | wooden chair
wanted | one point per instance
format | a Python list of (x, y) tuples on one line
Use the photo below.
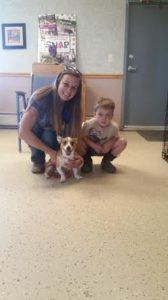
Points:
[(42, 75)]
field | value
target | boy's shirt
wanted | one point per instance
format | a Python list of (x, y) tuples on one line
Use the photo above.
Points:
[(97, 134)]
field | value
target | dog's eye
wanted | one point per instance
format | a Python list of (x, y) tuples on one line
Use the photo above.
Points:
[(64, 143), (72, 143)]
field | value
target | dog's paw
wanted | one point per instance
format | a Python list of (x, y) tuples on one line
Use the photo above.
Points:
[(47, 175), (62, 180), (78, 177), (49, 170)]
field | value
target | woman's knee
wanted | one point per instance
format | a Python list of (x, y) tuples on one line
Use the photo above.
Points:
[(50, 139)]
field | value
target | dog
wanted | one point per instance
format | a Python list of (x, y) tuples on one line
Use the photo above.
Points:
[(65, 155)]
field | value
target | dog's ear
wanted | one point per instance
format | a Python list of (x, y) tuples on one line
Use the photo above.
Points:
[(75, 140), (59, 139)]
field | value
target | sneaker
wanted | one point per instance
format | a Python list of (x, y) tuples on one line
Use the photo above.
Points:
[(38, 168), (107, 166), (87, 166)]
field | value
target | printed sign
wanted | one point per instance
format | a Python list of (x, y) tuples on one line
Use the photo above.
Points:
[(57, 39)]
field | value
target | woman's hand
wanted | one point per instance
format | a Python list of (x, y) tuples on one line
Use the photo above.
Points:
[(76, 163), (53, 156)]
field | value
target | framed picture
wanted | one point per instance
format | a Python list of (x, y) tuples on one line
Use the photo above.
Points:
[(14, 36)]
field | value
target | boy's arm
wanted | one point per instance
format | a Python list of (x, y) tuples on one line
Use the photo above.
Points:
[(115, 135), (85, 137), (94, 146), (88, 142)]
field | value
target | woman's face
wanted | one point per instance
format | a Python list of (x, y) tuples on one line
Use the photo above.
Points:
[(68, 87)]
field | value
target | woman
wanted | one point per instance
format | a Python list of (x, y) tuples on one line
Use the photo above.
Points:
[(52, 111)]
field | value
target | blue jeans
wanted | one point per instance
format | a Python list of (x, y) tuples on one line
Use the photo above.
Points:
[(48, 137)]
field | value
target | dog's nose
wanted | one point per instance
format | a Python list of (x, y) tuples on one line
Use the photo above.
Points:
[(68, 148)]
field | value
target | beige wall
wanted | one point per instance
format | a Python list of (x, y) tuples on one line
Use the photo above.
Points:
[(8, 85), (104, 86)]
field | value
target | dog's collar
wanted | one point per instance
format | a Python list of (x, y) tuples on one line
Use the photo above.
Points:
[(53, 164), (66, 157)]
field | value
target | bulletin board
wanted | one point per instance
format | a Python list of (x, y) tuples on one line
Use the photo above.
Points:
[(57, 39)]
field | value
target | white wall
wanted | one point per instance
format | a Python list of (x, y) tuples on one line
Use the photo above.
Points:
[(100, 32)]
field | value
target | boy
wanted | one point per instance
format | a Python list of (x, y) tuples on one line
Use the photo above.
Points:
[(101, 137)]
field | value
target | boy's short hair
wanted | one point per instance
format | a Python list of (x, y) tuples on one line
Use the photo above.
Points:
[(106, 103)]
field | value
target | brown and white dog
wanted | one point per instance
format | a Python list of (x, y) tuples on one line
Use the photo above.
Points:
[(65, 155)]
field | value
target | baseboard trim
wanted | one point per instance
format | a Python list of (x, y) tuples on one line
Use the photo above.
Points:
[(15, 74), (137, 127), (8, 120), (8, 127)]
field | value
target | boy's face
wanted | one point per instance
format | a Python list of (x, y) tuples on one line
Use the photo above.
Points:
[(103, 116)]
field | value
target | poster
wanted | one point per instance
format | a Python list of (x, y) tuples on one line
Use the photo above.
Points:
[(57, 39)]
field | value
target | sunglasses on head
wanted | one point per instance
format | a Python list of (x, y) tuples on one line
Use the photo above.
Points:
[(73, 70)]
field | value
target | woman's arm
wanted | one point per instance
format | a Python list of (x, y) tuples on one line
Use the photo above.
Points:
[(25, 132)]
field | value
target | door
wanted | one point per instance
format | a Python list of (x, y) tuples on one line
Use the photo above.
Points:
[(146, 66)]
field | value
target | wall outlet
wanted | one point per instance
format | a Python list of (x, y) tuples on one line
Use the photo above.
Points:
[(110, 58)]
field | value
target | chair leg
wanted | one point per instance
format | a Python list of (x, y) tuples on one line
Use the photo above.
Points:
[(20, 144), (20, 96)]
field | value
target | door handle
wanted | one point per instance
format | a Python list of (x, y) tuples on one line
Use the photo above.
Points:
[(131, 69)]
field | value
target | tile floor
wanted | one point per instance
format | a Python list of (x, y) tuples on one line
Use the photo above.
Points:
[(102, 238)]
